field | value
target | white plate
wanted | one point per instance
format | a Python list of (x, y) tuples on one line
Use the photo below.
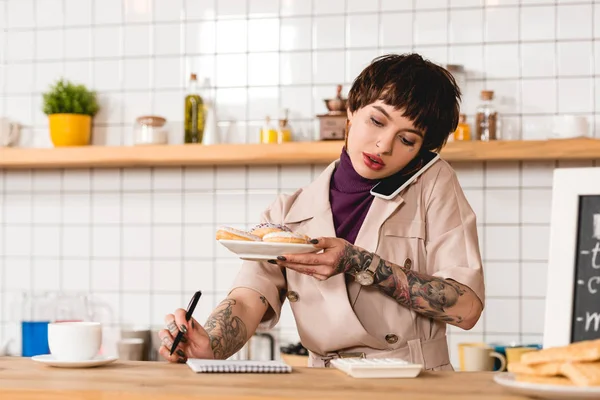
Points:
[(541, 391), (260, 251), (97, 361)]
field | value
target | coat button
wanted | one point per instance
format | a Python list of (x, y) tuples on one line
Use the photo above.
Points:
[(408, 263), (292, 296), (391, 338)]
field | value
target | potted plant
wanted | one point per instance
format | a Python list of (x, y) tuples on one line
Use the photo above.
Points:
[(70, 108)]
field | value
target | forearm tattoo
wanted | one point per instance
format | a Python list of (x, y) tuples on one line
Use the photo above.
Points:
[(427, 295), (227, 333)]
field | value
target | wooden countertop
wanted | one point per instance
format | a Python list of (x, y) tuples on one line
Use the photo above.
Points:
[(279, 154), (23, 379)]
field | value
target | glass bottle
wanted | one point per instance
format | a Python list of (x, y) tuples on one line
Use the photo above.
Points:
[(284, 133), (486, 124), (268, 133), (194, 112), (463, 130)]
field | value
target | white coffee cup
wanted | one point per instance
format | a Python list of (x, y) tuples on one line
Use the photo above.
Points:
[(569, 126), (74, 341)]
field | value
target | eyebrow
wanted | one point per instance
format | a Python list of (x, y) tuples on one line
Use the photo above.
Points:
[(382, 110)]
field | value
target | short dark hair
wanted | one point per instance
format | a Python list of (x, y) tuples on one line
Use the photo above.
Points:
[(426, 92)]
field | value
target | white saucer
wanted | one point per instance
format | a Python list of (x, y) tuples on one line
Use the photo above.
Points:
[(541, 391), (260, 251), (97, 361)]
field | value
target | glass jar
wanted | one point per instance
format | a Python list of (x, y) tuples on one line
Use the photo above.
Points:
[(149, 129), (463, 130), (486, 124)]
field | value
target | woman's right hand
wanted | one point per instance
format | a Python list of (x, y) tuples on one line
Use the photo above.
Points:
[(194, 344)]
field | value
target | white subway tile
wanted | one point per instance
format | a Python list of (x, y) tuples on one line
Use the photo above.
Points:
[(108, 75), (107, 41), (356, 61), (135, 179), (108, 307), (198, 178), (231, 9), (200, 37), (230, 209), (295, 176), (46, 180), (502, 206), (46, 209), (362, 30), (295, 34), (329, 7), (167, 276), (466, 26), (534, 277), (136, 104), (229, 34), (136, 242), (138, 10), (328, 32), (198, 208), (263, 102), (501, 24), (137, 40), (466, 3), (431, 27), (19, 208), (507, 98), (575, 95), (263, 35), (136, 309), (136, 275), (78, 12), (198, 241), (538, 59), (537, 23), (528, 2), (502, 174), (471, 58), (105, 275), (475, 199), (106, 241), (46, 275), (19, 45), (75, 241), (167, 178), (108, 12), (295, 68), (298, 100), (327, 66), (263, 8), (574, 21), (538, 96), (200, 9), (535, 241), (137, 208), (46, 241), (231, 178), (502, 61), (396, 5), (596, 22), (502, 315), (75, 275), (167, 241), (167, 208), (502, 279), (49, 45), (575, 58), (470, 175), (49, 13), (532, 318), (263, 69), (106, 208), (537, 174), (226, 271), (18, 180), (18, 80), (262, 177), (199, 275), (257, 204), (168, 73), (502, 243), (231, 70), (79, 72), (20, 14), (536, 204), (168, 39), (232, 105), (17, 273), (76, 208), (163, 304), (396, 29)]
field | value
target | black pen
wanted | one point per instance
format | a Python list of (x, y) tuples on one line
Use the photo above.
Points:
[(188, 315)]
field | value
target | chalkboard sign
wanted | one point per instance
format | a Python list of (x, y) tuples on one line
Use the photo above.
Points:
[(586, 296)]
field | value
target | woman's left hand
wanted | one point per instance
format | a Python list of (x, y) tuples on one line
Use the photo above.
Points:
[(323, 265)]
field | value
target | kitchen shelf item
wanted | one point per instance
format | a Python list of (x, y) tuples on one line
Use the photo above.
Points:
[(150, 129)]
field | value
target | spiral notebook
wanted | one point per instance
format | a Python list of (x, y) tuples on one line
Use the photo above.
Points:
[(238, 366)]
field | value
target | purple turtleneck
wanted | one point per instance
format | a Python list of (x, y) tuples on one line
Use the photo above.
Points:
[(350, 198)]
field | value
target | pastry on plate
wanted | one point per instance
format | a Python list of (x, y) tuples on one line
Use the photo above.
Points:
[(285, 237), (227, 233), (261, 230)]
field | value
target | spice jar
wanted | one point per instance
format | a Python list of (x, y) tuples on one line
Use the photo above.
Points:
[(463, 130), (268, 133), (284, 133), (149, 129), (486, 124)]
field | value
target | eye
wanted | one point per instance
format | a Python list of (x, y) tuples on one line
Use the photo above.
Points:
[(376, 123), (406, 141)]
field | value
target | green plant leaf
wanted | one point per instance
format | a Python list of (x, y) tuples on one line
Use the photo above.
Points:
[(65, 97)]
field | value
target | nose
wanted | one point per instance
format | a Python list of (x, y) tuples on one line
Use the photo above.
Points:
[(385, 144)]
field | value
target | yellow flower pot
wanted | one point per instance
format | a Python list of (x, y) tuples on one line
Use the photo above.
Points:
[(70, 129)]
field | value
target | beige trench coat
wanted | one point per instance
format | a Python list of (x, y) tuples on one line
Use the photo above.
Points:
[(430, 227)]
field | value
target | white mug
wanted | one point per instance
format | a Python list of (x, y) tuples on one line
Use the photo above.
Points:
[(482, 359), (569, 126), (9, 132), (74, 341)]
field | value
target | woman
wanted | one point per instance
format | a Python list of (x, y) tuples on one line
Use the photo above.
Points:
[(393, 272)]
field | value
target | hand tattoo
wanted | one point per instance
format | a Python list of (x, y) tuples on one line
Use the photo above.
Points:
[(427, 295), (227, 333)]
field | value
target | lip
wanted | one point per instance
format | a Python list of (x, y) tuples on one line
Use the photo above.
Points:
[(376, 158), (375, 166)]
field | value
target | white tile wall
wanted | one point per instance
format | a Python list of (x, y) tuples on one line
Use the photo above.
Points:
[(141, 239)]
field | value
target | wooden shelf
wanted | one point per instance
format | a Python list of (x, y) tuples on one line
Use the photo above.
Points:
[(273, 154)]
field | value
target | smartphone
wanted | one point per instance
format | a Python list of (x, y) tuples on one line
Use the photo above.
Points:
[(389, 187)]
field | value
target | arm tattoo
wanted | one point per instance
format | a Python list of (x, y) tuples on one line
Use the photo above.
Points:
[(264, 300), (427, 295), (227, 333)]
